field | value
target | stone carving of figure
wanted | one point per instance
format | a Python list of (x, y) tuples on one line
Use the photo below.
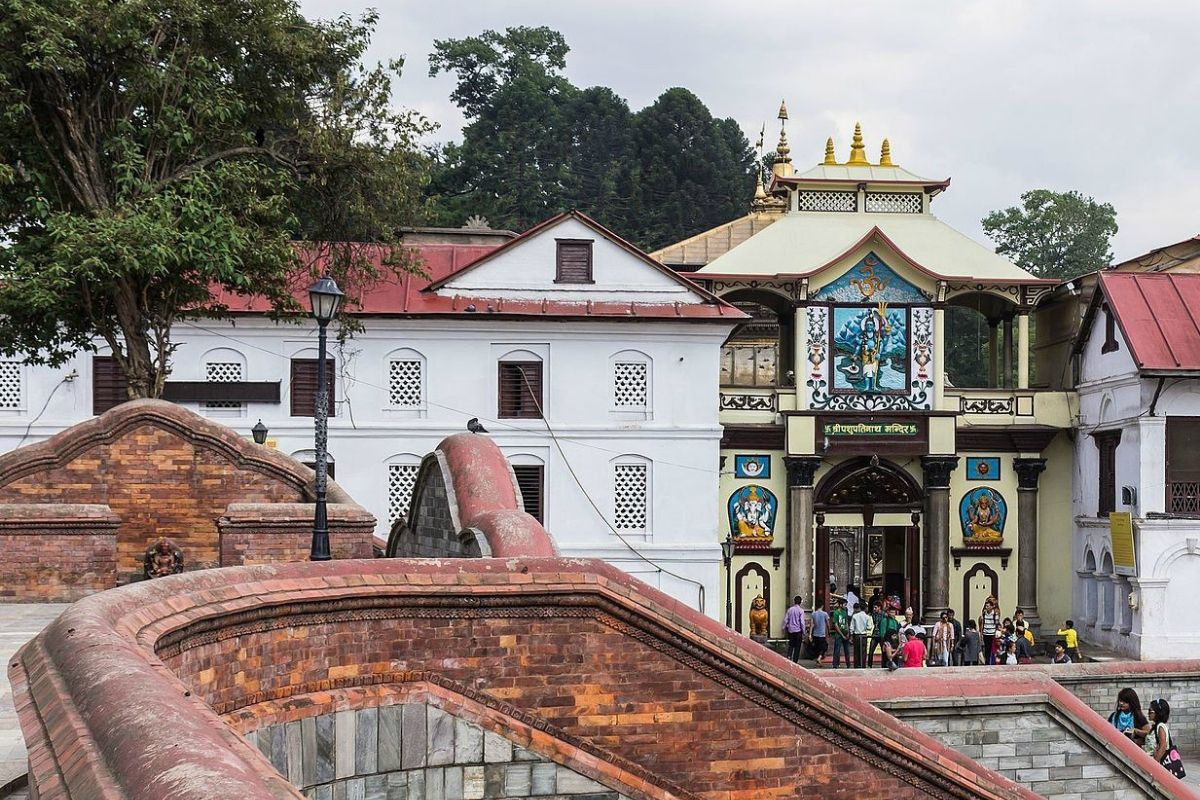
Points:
[(759, 617), (162, 558)]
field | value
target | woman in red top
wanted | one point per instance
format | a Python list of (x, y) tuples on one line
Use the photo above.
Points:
[(913, 651)]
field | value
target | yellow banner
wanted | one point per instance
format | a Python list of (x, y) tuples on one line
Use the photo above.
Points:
[(1120, 529)]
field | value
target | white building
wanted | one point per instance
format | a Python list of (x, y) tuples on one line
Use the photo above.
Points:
[(1137, 451), (593, 367)]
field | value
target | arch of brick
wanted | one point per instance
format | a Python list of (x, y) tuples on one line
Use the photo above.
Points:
[(78, 510), (172, 689), (466, 504)]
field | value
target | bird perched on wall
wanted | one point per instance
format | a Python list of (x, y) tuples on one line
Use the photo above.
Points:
[(474, 427)]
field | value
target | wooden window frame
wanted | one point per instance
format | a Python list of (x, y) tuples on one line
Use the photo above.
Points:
[(1111, 344), (559, 277), (532, 472), (306, 405), (1171, 477), (536, 392), (1106, 471), (114, 394)]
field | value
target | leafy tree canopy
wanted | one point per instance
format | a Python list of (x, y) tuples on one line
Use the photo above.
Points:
[(535, 145), (1054, 234), (151, 150)]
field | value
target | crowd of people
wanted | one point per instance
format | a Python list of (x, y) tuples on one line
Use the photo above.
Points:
[(861, 629)]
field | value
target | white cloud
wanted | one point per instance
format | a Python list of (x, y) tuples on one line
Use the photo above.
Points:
[(1003, 95)]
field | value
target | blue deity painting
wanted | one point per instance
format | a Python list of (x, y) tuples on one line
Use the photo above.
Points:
[(752, 512), (871, 281), (870, 349), (983, 513)]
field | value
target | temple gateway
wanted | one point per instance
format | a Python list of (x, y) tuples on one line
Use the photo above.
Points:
[(851, 455)]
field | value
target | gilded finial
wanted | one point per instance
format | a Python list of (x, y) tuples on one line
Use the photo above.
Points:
[(783, 109), (885, 155), (830, 157), (783, 161), (858, 153)]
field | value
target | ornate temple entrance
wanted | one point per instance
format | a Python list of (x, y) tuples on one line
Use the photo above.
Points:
[(868, 555)]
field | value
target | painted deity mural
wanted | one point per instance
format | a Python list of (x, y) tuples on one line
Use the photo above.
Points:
[(752, 512), (983, 513), (875, 353)]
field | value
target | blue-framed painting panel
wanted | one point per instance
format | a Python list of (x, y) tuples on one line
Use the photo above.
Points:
[(751, 466), (983, 469)]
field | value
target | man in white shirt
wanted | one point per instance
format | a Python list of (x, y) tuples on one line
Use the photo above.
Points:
[(860, 629)]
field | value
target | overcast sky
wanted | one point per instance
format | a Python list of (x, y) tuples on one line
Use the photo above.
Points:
[(1002, 96)]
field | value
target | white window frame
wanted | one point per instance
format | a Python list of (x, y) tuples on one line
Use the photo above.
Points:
[(22, 371), (421, 409), (644, 412), (633, 460), (222, 355), (399, 460)]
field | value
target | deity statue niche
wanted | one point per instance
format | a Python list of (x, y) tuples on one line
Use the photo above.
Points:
[(752, 513), (162, 558), (870, 349), (983, 513)]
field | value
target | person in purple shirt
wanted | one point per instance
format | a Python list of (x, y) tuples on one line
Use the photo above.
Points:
[(793, 626)]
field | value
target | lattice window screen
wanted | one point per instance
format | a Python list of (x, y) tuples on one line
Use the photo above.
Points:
[(10, 384), (631, 497), (404, 383), (630, 389), (894, 202), (813, 200), (402, 478), (223, 372)]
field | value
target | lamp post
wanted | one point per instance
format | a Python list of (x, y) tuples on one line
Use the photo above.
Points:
[(727, 555), (259, 432), (324, 296)]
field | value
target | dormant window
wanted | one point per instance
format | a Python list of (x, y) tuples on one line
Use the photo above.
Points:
[(631, 496), (631, 385), (405, 380), (402, 479), (1110, 332), (12, 390), (223, 372), (1107, 442), (574, 263), (520, 390), (1183, 465), (304, 386)]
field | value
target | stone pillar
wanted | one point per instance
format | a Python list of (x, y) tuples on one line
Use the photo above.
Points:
[(1023, 350), (800, 551), (937, 533), (1028, 470), (1124, 619)]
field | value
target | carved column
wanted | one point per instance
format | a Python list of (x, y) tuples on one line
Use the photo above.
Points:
[(937, 533), (1028, 471), (800, 472)]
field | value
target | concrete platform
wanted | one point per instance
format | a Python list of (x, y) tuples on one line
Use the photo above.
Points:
[(19, 622)]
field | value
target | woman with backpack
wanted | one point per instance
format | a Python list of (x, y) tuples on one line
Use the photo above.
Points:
[(1158, 742)]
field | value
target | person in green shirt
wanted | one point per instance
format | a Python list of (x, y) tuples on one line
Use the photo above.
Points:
[(885, 624), (840, 621)]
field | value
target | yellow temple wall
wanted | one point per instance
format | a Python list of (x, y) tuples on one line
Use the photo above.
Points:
[(1056, 528)]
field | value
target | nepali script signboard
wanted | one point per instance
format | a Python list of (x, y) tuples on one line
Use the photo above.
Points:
[(1120, 528), (858, 435)]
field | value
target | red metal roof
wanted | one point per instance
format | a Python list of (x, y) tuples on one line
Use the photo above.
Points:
[(1159, 316), (420, 295)]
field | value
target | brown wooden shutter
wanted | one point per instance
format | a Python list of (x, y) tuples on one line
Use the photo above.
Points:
[(574, 261), (1183, 465), (304, 386), (529, 481), (1107, 442), (520, 389), (109, 386)]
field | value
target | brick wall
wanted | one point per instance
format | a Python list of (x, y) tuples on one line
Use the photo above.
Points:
[(163, 471), (431, 531), (576, 661), (56, 553), (265, 533)]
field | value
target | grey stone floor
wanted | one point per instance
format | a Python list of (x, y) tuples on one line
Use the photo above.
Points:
[(19, 622)]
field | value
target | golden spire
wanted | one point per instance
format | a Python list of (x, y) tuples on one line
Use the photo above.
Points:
[(885, 155), (783, 159), (830, 157), (858, 153)]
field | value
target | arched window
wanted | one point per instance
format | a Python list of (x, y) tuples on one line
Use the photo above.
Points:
[(12, 385), (401, 480), (224, 365), (631, 494), (519, 386), (631, 383), (406, 380), (530, 472)]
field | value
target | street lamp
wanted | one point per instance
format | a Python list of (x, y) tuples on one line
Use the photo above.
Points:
[(727, 555), (259, 432), (324, 297)]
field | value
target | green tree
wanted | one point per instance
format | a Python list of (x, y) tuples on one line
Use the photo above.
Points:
[(1054, 234), (151, 152)]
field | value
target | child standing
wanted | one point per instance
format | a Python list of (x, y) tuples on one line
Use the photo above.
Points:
[(1071, 637)]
